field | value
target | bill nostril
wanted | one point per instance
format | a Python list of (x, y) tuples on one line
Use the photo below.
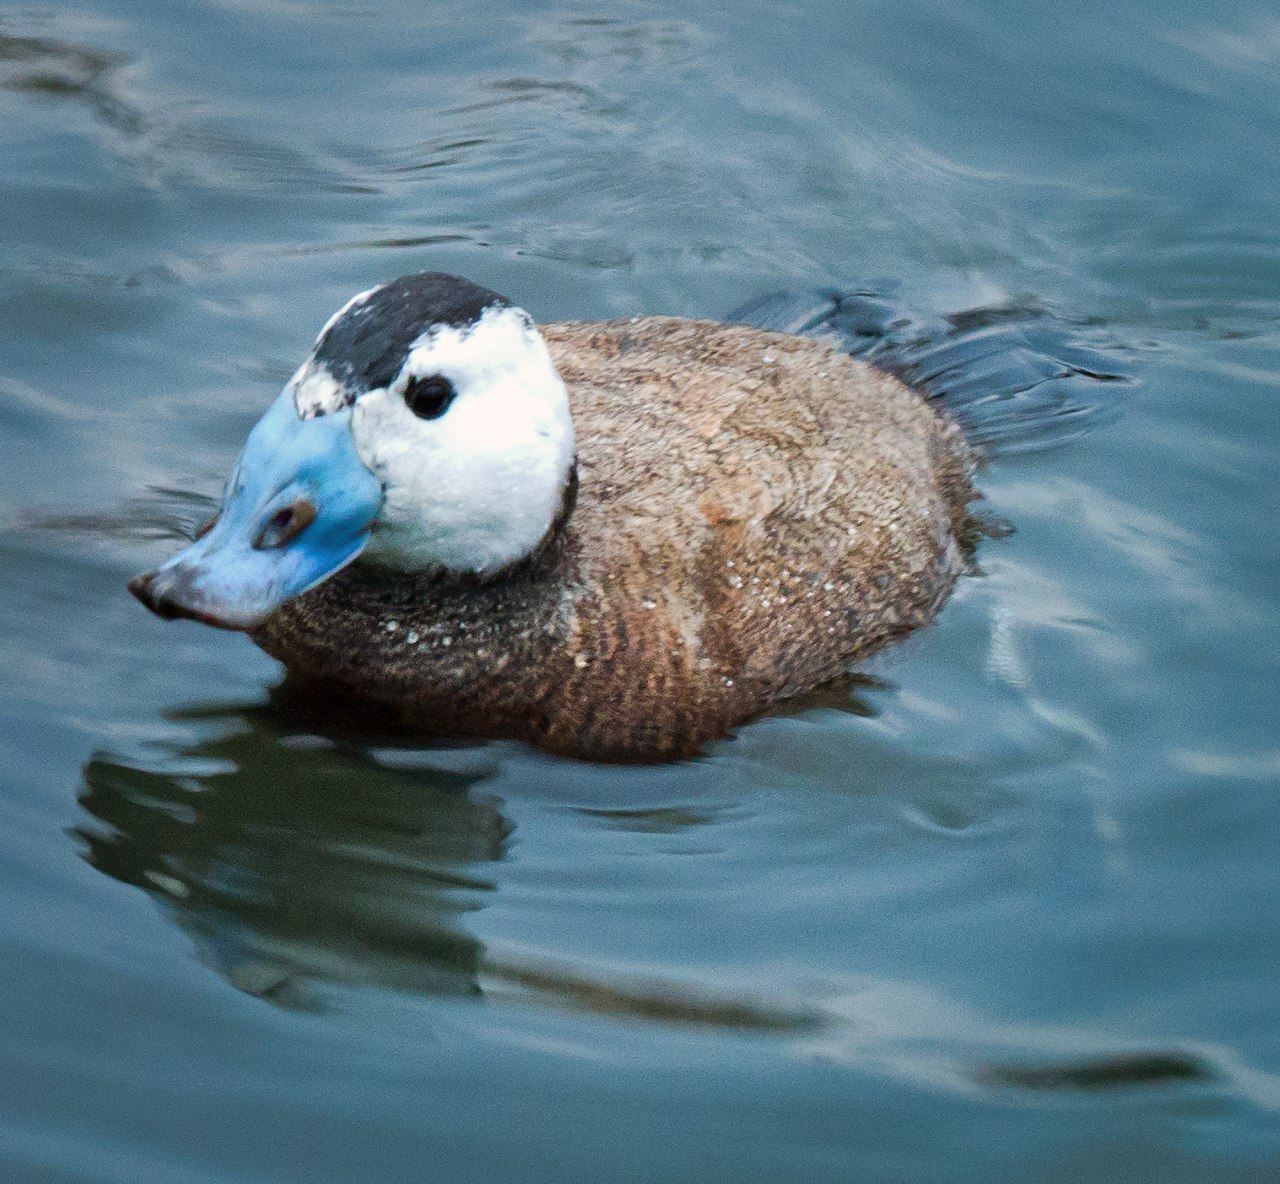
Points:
[(285, 525)]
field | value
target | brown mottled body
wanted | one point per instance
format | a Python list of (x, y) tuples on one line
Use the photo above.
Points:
[(756, 510)]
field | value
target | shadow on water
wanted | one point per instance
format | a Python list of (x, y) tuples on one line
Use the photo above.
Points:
[(44, 67), (160, 135), (160, 514)]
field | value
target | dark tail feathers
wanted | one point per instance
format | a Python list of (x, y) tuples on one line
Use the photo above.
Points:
[(1016, 378)]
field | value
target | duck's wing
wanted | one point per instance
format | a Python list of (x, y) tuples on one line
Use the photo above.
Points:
[(1017, 378)]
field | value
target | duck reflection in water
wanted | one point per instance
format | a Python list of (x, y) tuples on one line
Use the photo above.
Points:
[(291, 859), (295, 860)]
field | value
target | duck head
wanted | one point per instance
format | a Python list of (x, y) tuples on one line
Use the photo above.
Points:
[(427, 431)]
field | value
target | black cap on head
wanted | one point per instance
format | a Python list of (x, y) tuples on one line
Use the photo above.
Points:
[(366, 346)]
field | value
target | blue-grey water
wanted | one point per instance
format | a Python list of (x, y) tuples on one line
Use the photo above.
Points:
[(1013, 916)]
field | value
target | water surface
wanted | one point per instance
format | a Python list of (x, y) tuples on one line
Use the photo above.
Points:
[(1011, 913)]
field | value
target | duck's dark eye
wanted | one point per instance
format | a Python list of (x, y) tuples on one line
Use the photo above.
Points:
[(429, 398)]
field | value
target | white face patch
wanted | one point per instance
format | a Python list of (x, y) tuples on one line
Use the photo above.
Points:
[(477, 488)]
